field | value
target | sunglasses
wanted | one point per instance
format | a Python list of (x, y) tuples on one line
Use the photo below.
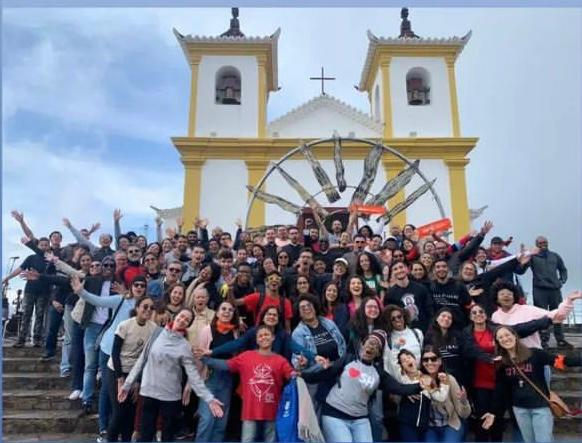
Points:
[(139, 285), (396, 317), (147, 307), (108, 265), (429, 359)]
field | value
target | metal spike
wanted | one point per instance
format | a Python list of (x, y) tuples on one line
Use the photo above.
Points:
[(321, 176), (339, 164), (370, 169), (392, 187), (406, 203), (276, 200), (307, 198)]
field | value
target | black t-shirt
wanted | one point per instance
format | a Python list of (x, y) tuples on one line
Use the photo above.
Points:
[(415, 299), (37, 262), (324, 342), (510, 382), (453, 295)]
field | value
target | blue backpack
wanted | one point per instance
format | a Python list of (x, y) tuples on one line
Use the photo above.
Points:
[(288, 414)]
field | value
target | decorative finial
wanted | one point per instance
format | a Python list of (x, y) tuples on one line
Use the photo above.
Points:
[(406, 26), (234, 30)]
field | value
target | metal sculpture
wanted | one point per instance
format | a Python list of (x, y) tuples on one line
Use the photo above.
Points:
[(361, 191)]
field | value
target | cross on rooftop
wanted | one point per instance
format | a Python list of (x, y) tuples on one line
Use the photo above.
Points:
[(322, 78)]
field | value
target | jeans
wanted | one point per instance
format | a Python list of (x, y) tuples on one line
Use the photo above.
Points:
[(410, 433), (77, 356), (211, 428), (249, 431), (122, 414), (66, 352), (548, 299), (104, 403), (377, 416), (54, 323), (336, 429), (38, 304), (444, 433), (536, 425), (91, 361), (170, 412)]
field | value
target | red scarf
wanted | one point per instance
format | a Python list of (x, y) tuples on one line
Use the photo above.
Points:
[(170, 327), (223, 328)]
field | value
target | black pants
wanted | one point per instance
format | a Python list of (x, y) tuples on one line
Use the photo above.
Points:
[(122, 414), (170, 412), (482, 399), (548, 299)]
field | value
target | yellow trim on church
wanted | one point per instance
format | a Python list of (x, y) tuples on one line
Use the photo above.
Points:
[(256, 153), (392, 167)]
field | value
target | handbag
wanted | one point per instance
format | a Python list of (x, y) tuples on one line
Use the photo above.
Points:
[(558, 407), (77, 312)]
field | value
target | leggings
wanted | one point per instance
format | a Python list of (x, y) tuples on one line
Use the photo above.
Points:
[(122, 414), (170, 412)]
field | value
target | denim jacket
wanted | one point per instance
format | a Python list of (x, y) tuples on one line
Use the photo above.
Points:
[(302, 336)]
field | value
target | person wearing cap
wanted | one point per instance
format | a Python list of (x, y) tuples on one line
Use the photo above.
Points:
[(549, 274), (347, 386)]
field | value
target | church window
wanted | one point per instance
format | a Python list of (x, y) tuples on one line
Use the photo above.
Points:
[(377, 103), (418, 87), (228, 86)]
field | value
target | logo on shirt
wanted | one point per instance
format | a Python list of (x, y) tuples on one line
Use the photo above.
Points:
[(410, 305), (262, 383)]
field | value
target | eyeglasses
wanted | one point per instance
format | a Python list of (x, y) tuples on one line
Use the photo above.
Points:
[(139, 285), (174, 270), (226, 309), (108, 265), (429, 359), (396, 317), (305, 307), (147, 307)]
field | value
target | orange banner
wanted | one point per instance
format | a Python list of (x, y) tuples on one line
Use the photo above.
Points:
[(368, 209), (435, 226)]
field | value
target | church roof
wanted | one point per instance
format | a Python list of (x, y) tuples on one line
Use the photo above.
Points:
[(453, 45), (270, 41), (325, 100)]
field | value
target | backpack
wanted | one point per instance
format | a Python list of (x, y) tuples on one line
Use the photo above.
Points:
[(288, 414)]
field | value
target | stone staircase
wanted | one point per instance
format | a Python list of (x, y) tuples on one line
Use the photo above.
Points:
[(35, 404)]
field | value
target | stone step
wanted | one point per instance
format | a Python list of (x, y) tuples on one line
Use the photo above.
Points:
[(35, 380), (563, 382), (27, 351), (36, 437), (29, 364), (38, 400), (41, 422)]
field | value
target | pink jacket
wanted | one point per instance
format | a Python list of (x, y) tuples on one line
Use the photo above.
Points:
[(523, 313)]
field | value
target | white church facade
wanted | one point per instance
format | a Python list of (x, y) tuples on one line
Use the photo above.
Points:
[(411, 87)]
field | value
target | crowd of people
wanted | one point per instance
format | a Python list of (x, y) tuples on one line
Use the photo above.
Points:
[(398, 338)]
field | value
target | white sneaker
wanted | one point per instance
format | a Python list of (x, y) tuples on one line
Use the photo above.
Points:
[(75, 395)]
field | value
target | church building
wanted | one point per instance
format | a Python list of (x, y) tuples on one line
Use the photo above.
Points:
[(411, 87)]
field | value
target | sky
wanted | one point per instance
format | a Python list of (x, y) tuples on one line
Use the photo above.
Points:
[(92, 96)]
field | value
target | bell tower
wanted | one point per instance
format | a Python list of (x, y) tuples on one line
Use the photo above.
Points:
[(232, 76), (411, 86)]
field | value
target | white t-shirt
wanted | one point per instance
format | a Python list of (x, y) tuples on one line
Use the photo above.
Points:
[(135, 337)]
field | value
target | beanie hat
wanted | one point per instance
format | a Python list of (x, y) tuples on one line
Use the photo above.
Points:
[(380, 336)]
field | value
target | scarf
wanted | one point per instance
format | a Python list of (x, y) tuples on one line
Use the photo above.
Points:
[(224, 328), (170, 327)]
